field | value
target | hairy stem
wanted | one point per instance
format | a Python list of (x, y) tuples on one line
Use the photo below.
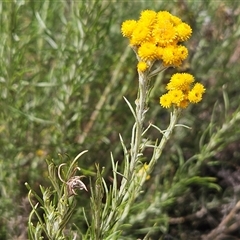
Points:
[(166, 136), (140, 115)]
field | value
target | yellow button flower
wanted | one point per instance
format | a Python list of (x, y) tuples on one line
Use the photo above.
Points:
[(184, 31), (180, 81), (198, 87), (148, 18), (165, 100), (148, 51), (142, 67), (176, 96), (140, 35), (194, 96), (128, 27), (164, 33), (181, 52), (164, 15), (168, 56)]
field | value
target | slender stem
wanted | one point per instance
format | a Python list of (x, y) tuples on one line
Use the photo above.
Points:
[(140, 113), (132, 185), (166, 136)]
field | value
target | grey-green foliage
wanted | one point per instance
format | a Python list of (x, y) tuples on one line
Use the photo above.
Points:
[(48, 58), (56, 60), (56, 203)]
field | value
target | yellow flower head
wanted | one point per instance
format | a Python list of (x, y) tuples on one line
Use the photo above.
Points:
[(168, 56), (40, 153), (176, 96), (180, 81), (181, 52), (142, 66), (148, 18), (147, 51), (184, 31), (163, 27), (166, 100), (198, 87), (163, 16), (140, 35), (195, 95), (164, 33), (128, 27), (174, 55), (159, 53)]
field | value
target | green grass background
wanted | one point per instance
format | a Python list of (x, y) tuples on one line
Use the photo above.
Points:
[(64, 68)]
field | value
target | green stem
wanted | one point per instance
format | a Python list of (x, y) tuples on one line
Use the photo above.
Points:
[(132, 183), (166, 136)]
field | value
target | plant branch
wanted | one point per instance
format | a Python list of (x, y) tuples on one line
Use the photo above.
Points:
[(166, 136)]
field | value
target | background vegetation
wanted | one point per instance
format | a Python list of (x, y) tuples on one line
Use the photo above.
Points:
[(64, 68)]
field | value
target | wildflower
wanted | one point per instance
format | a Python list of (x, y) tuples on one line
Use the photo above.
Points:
[(195, 95), (180, 81), (142, 66), (164, 15), (165, 100), (168, 56), (140, 35), (156, 36), (181, 52), (180, 91), (128, 27), (164, 33), (176, 96), (184, 31), (147, 51), (198, 87), (174, 55), (148, 18)]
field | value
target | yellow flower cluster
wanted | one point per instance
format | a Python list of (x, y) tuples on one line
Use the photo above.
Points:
[(180, 93), (156, 36)]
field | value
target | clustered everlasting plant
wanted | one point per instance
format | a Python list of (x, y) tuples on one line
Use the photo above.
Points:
[(156, 39)]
